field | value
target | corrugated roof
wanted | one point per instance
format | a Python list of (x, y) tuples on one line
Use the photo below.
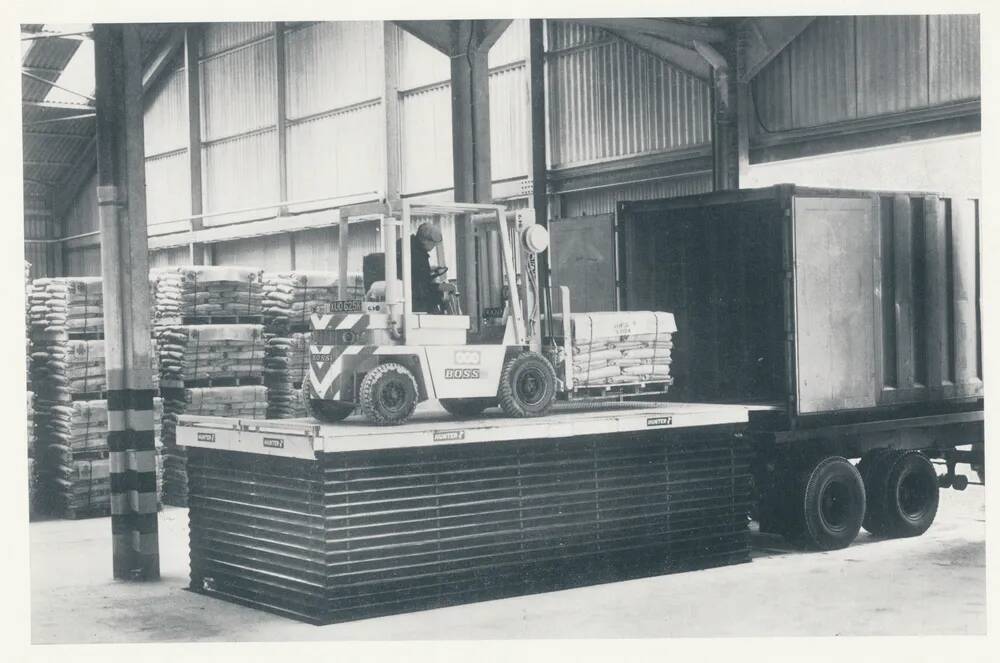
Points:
[(58, 127)]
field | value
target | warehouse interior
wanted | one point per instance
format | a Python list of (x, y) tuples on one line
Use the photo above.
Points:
[(246, 145)]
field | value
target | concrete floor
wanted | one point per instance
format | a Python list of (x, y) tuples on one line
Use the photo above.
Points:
[(935, 584)]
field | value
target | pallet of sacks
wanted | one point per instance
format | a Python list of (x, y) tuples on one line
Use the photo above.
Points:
[(290, 298), (73, 468), (204, 293), (622, 348), (248, 402), (286, 368), (194, 353), (62, 306)]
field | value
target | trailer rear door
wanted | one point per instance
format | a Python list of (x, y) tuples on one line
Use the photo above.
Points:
[(834, 244)]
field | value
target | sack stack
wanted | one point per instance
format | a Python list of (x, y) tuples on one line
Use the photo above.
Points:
[(290, 299), (69, 380), (286, 368), (622, 348), (202, 294), (60, 307), (211, 349)]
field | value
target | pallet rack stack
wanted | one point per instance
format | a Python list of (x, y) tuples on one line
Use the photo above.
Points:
[(290, 299), (210, 344), (69, 410)]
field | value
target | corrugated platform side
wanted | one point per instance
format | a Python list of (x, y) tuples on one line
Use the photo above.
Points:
[(371, 533)]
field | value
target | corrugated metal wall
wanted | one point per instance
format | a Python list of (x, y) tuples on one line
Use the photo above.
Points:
[(83, 262), (268, 253), (336, 122), (610, 100), (82, 217), (239, 113), (318, 249), (425, 111), (168, 180), (241, 172), (953, 58), (40, 224), (169, 257), (604, 201), (842, 68)]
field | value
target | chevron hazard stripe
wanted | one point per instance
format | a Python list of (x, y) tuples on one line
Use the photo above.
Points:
[(328, 385)]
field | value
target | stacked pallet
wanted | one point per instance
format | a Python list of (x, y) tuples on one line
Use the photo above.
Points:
[(76, 461), (199, 293), (286, 368), (63, 306), (69, 380), (210, 353), (211, 349), (248, 402), (290, 299), (622, 348)]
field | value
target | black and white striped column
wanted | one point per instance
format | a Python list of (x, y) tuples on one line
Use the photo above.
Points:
[(121, 197)]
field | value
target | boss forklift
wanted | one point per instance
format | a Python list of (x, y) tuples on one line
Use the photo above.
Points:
[(382, 356)]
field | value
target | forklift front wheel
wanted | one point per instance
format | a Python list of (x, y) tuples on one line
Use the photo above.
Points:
[(330, 411), (527, 385), (388, 394)]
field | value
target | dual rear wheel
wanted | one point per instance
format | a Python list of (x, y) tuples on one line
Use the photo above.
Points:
[(825, 504)]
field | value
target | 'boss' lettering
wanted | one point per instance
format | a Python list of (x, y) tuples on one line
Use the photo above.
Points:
[(461, 374)]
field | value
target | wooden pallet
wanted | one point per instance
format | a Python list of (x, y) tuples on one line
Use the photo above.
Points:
[(616, 391), (211, 320), (255, 381)]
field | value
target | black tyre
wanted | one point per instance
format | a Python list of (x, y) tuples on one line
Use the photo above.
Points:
[(832, 503), (388, 394), (527, 385), (464, 408), (902, 495), (330, 411)]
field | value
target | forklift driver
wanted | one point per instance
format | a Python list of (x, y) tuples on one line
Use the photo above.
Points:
[(428, 295)]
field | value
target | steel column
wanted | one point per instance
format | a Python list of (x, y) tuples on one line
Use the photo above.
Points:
[(390, 106), (470, 116), (124, 254), (199, 253)]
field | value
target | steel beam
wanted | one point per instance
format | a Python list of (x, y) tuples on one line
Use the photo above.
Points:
[(124, 261), (199, 254), (767, 37), (662, 28), (683, 58), (390, 107), (160, 64)]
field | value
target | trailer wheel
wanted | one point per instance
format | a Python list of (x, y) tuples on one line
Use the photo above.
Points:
[(330, 411), (527, 385), (903, 494), (463, 408), (388, 394), (833, 504)]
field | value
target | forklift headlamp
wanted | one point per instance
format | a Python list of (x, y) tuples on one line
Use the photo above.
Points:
[(536, 238)]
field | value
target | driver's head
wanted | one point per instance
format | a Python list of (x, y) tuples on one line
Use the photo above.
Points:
[(428, 235)]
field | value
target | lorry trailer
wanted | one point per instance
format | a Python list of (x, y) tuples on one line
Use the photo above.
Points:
[(828, 348)]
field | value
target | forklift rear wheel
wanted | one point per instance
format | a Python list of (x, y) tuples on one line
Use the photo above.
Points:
[(466, 407), (388, 394), (527, 385), (330, 411), (902, 494), (833, 503)]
